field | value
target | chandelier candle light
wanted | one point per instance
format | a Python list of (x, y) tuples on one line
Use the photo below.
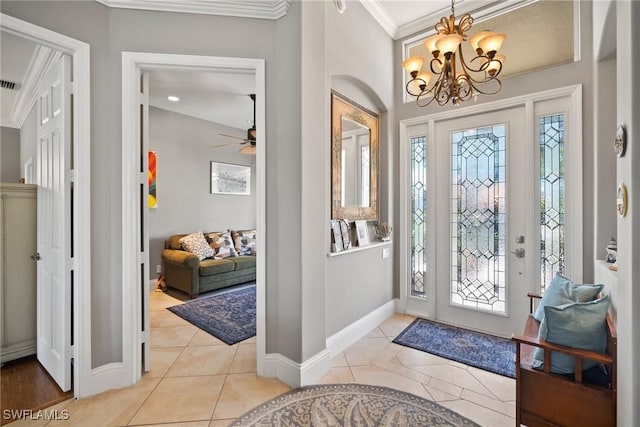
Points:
[(456, 80)]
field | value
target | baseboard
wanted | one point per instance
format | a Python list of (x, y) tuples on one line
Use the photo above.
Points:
[(343, 339), (297, 374), (16, 352)]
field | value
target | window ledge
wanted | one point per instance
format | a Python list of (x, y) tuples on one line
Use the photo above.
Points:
[(360, 248)]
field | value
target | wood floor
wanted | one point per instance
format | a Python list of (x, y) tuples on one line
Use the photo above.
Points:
[(26, 385)]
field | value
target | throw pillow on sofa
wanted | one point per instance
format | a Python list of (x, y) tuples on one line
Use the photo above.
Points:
[(577, 325), (197, 245), (223, 245), (563, 291), (245, 241)]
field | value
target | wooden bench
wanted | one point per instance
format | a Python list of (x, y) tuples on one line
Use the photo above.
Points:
[(547, 399)]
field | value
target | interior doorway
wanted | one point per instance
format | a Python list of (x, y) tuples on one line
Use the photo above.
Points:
[(135, 188), (72, 223)]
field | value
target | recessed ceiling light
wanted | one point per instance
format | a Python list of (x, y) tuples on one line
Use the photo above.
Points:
[(173, 98)]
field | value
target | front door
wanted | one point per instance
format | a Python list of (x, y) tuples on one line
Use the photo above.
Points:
[(54, 206), (484, 208), (495, 210)]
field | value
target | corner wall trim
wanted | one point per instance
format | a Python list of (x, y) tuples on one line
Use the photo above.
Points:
[(297, 374), (341, 340)]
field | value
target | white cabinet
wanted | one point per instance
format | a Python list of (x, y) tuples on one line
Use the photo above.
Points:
[(18, 276)]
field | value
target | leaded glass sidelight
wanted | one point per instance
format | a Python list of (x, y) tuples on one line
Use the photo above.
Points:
[(478, 218), (552, 194), (418, 216)]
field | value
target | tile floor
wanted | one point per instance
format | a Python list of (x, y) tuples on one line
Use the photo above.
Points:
[(196, 380)]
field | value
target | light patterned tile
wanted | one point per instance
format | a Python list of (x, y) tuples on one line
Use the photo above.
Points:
[(243, 392), (439, 395), (221, 423), (111, 408), (159, 301), (172, 336), (410, 357), (166, 318), (487, 402), (445, 387), (244, 360), (185, 424), (456, 376), (365, 350), (479, 414), (339, 360), (397, 368), (502, 387), (376, 333), (181, 399), (204, 338), (338, 375), (395, 324), (374, 375), (202, 360), (161, 360)]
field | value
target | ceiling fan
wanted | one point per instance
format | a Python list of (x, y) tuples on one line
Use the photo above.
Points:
[(251, 134)]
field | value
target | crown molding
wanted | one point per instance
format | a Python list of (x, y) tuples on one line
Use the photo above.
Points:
[(265, 9), (481, 9), (381, 16), (41, 61)]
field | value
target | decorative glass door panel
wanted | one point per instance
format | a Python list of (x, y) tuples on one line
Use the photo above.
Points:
[(478, 218), (552, 198), (418, 216)]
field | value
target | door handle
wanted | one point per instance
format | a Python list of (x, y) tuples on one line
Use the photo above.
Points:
[(519, 252), (36, 257)]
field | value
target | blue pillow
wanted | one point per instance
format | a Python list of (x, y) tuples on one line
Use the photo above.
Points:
[(563, 291), (578, 325)]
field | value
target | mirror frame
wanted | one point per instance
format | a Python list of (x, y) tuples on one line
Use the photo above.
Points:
[(342, 106)]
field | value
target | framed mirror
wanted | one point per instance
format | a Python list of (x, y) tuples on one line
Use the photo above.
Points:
[(354, 160)]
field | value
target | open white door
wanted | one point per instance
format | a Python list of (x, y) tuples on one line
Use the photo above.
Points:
[(54, 211)]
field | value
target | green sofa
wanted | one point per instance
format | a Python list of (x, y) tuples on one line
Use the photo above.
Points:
[(184, 271)]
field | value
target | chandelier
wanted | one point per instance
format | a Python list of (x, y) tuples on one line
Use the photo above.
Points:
[(456, 79)]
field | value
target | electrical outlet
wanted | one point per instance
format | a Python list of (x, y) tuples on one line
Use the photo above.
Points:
[(158, 269), (385, 253)]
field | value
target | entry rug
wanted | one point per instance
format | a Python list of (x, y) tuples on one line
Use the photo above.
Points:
[(493, 354), (350, 405), (230, 316)]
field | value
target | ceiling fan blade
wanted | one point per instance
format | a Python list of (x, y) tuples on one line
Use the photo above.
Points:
[(226, 145), (235, 137)]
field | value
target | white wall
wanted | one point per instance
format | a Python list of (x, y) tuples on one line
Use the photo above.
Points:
[(29, 141), (10, 154), (185, 204)]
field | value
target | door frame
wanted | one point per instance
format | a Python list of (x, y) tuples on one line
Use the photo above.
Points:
[(83, 383), (573, 244), (133, 63)]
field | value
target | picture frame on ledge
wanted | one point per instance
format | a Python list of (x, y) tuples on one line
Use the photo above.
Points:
[(363, 233), (336, 236)]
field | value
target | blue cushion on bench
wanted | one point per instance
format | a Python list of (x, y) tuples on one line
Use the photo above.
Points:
[(563, 291), (577, 325)]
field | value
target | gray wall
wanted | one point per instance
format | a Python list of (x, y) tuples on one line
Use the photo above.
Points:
[(10, 154), (185, 204), (110, 31), (359, 65)]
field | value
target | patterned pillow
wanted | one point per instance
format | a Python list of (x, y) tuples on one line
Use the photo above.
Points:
[(197, 245), (223, 245), (245, 241)]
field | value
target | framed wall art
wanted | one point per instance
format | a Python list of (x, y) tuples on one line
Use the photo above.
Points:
[(227, 178), (621, 200)]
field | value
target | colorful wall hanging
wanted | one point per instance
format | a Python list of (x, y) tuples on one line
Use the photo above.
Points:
[(153, 201)]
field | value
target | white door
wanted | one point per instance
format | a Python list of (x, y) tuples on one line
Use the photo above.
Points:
[(54, 303), (484, 211), (143, 264)]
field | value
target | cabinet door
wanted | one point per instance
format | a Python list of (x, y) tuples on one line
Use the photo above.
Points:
[(19, 273)]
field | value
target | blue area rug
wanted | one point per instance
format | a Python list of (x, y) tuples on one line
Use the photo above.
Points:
[(493, 354), (230, 316)]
